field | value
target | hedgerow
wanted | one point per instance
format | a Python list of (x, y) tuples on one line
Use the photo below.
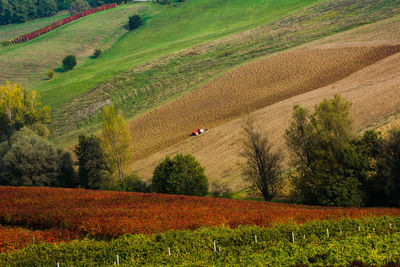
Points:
[(372, 241)]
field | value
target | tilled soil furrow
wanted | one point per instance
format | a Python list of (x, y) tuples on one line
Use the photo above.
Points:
[(248, 88)]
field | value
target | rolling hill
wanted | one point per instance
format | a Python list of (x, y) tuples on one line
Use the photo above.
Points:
[(374, 91)]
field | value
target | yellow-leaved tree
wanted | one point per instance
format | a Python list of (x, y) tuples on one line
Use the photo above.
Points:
[(116, 139), (19, 107)]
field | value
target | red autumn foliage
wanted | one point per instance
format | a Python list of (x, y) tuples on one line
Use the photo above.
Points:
[(12, 238), (79, 213), (32, 35)]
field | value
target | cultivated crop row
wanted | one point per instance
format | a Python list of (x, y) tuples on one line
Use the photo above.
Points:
[(32, 35), (111, 214), (374, 241)]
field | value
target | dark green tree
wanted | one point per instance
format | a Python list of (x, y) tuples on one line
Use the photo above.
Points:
[(68, 178), (182, 175), (97, 53), (78, 6), (328, 168), (46, 8), (93, 170), (135, 21), (29, 160), (69, 62), (385, 185)]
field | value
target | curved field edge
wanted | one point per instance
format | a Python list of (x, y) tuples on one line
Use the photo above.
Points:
[(166, 30), (150, 85), (374, 241)]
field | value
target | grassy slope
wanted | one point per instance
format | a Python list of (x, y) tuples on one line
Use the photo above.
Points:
[(147, 86), (28, 62), (13, 30), (171, 30)]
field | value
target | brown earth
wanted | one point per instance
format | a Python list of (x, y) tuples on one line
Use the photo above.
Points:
[(248, 88), (374, 92)]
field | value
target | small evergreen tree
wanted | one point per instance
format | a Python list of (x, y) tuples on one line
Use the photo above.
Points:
[(182, 175), (135, 21), (69, 62), (93, 169)]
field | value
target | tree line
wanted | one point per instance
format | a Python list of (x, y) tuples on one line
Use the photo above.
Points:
[(330, 164), (17, 11), (28, 158)]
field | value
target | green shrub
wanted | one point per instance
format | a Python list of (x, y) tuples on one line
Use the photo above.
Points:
[(182, 175), (69, 62), (135, 21), (50, 74), (97, 53), (78, 6), (30, 160), (131, 183), (219, 189)]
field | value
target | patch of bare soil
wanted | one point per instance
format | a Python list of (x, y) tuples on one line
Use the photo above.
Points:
[(272, 87)]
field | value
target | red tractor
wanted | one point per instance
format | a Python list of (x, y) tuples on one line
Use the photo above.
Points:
[(198, 131)]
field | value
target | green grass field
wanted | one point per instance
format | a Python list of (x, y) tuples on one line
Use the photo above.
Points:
[(166, 30), (14, 30), (28, 63)]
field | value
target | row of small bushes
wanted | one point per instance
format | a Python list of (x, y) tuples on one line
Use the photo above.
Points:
[(371, 240), (32, 35)]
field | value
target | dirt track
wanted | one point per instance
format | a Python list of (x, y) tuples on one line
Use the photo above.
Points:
[(374, 91), (248, 88)]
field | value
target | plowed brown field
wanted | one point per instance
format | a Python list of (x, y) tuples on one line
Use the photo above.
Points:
[(374, 92), (248, 88)]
